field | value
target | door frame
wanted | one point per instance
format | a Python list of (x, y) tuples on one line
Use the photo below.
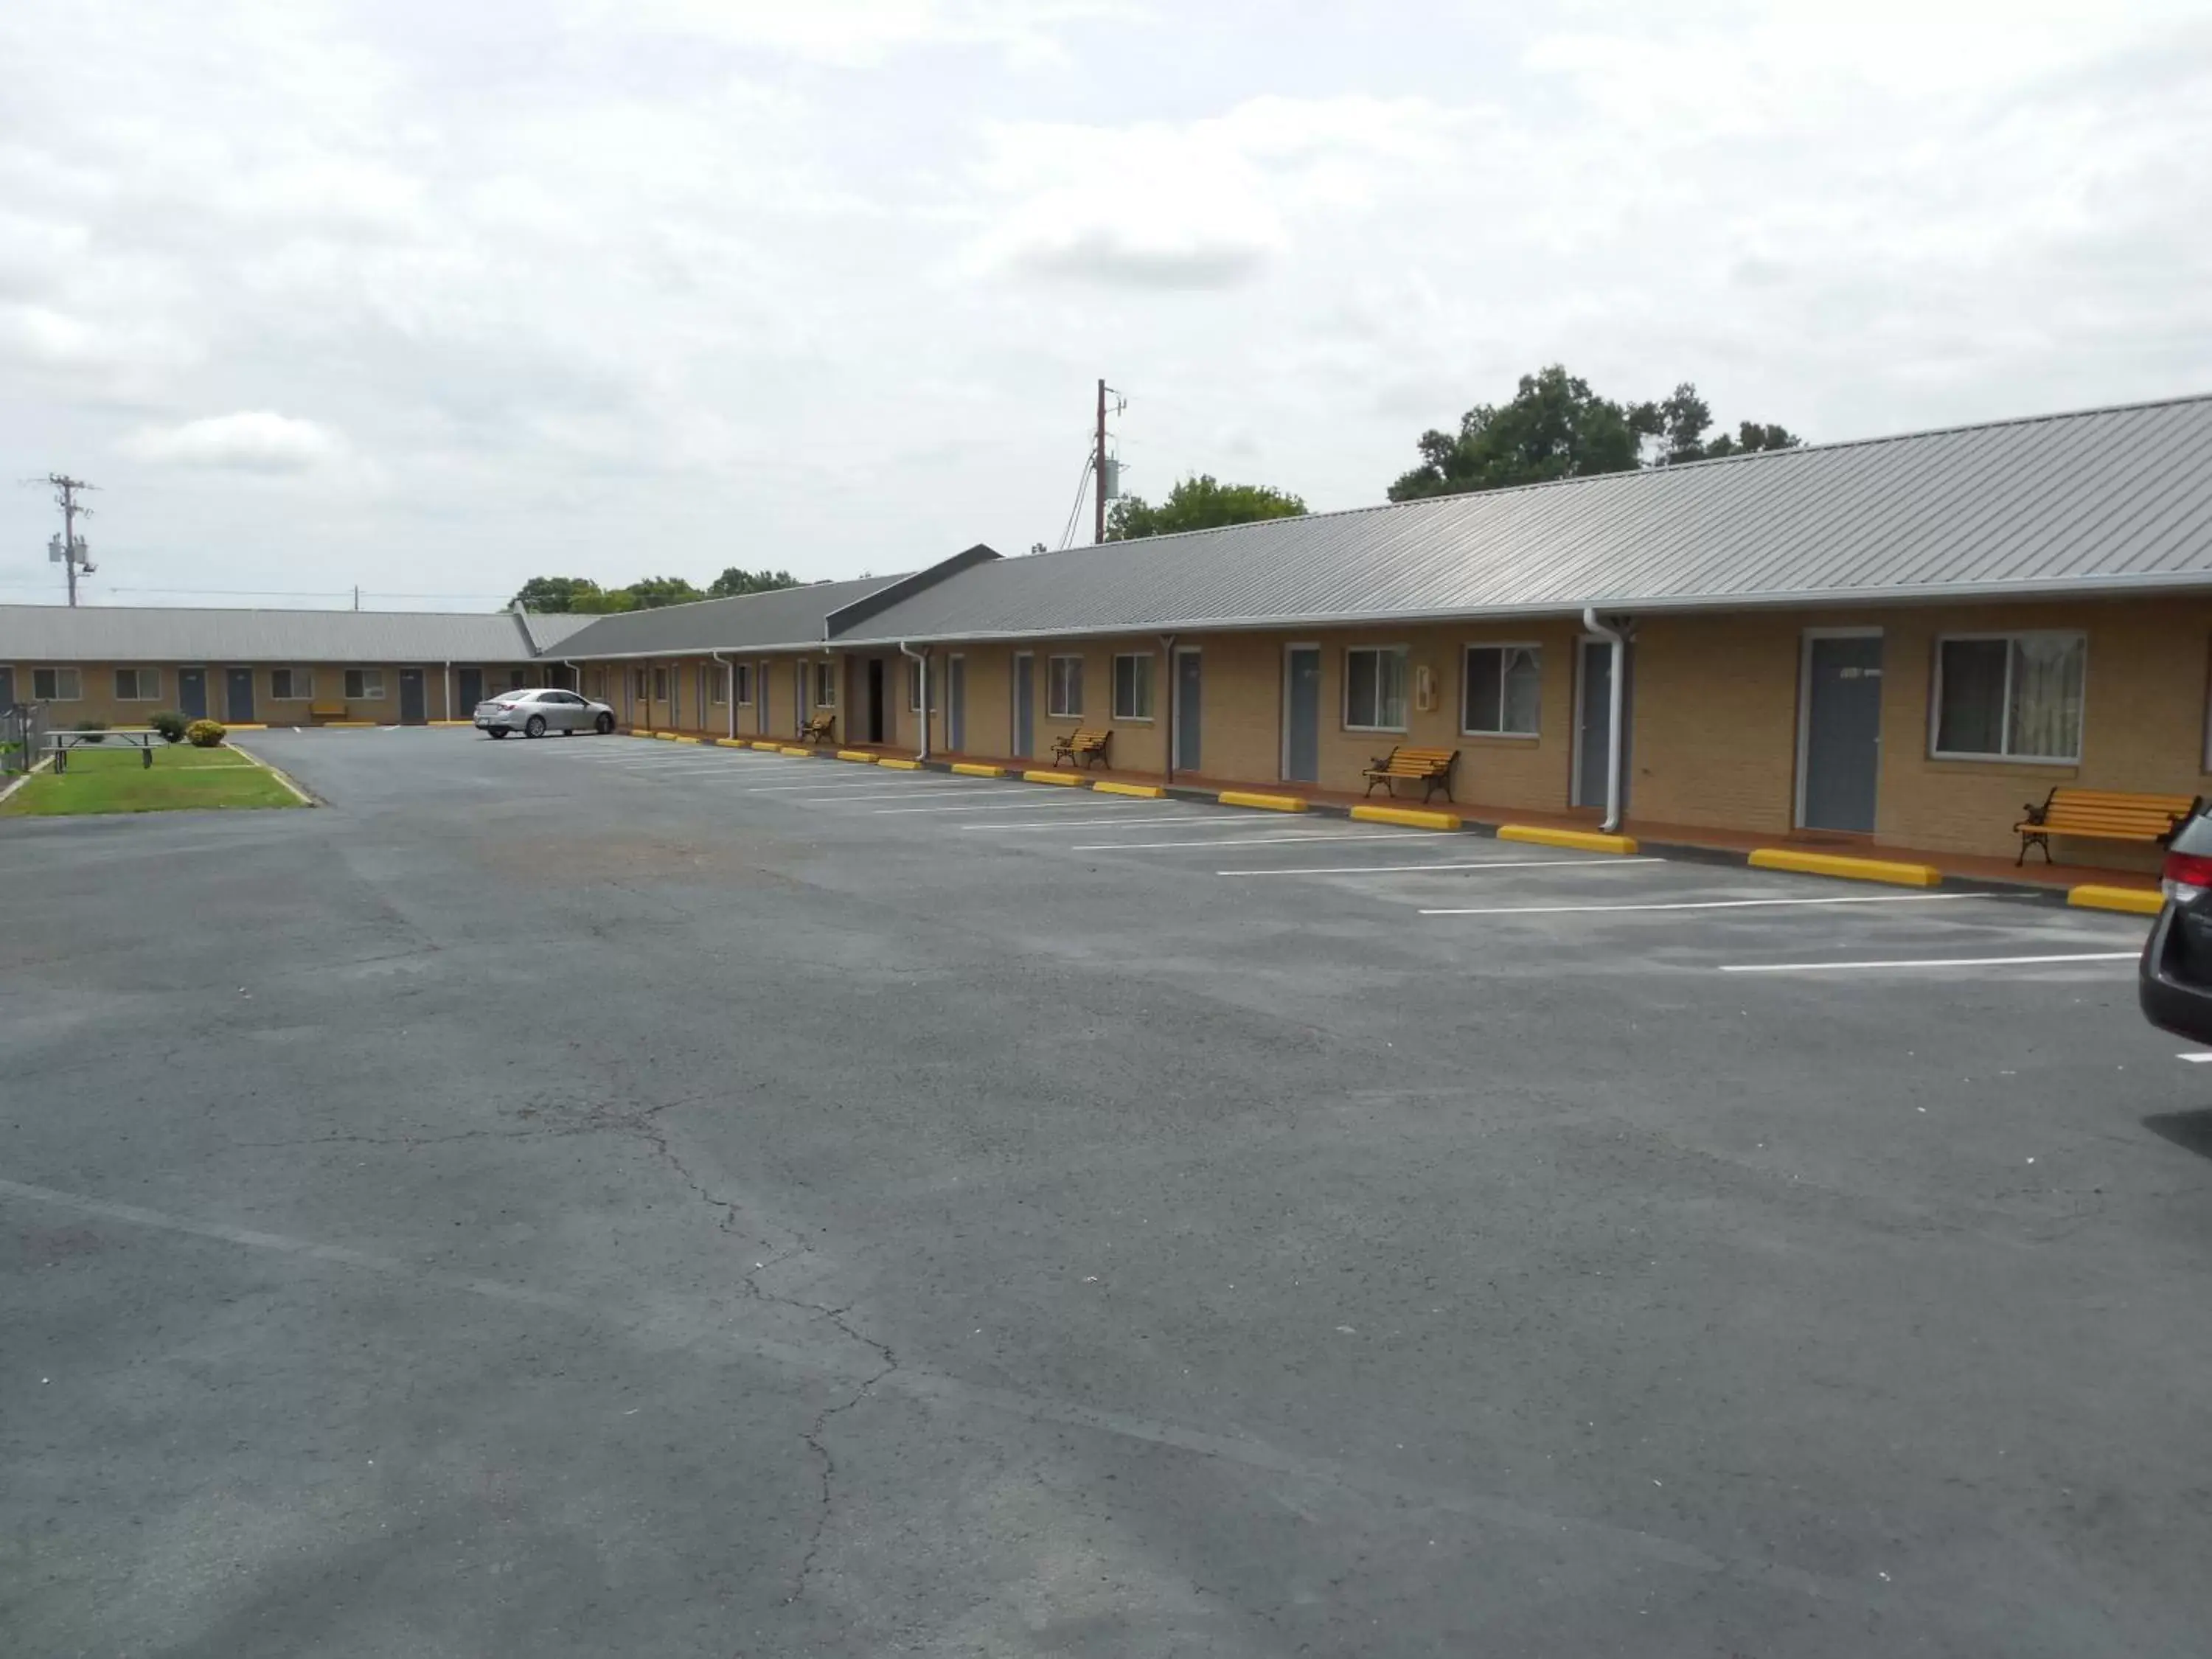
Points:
[(1806, 636), (182, 669), (399, 687), (1583, 640), (252, 692), (1176, 707), (1283, 755), (1021, 674)]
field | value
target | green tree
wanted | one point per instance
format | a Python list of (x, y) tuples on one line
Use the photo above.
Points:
[(1199, 503), (1556, 426), (652, 592), (556, 593), (734, 581)]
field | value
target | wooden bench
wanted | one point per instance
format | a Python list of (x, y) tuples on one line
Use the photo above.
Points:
[(820, 727), (1431, 769), (2101, 815), (326, 711), (1085, 746)]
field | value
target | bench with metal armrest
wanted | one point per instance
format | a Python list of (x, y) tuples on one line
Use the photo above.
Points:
[(2101, 815), (1087, 746), (327, 710), (819, 727), (1432, 768)]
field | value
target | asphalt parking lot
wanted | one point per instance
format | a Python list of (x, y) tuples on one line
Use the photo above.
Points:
[(600, 1196)]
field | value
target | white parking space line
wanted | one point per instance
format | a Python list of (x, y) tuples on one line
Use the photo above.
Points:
[(1251, 840), (1034, 806), (817, 785), (1926, 961), (896, 792), (1712, 904), (1011, 827), (2195, 1059), (1401, 869)]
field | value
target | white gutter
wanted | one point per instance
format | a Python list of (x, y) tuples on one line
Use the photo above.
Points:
[(729, 690), (921, 657), (1618, 689), (572, 665)]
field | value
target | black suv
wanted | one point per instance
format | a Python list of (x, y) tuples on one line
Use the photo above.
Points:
[(2175, 982)]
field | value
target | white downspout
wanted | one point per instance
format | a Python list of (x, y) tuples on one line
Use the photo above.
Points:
[(1619, 690), (574, 667), (921, 657), (449, 693), (729, 690)]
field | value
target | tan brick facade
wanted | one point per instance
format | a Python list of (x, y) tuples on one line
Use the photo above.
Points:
[(314, 684)]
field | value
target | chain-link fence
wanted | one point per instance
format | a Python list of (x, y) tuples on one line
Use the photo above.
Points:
[(22, 726)]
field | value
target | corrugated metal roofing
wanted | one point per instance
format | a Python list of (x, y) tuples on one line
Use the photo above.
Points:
[(2105, 500), (550, 628), (152, 633), (788, 615)]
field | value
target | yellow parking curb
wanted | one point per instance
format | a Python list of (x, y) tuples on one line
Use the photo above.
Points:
[(768, 748), (1844, 868), (1412, 817), (2136, 901), (449, 722), (727, 742), (1264, 803), (898, 764), (1065, 780), (356, 724), (860, 755), (1587, 841), (970, 769), (804, 754), (1141, 791), (263, 726), (668, 737)]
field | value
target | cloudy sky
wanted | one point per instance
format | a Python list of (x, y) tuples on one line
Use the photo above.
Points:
[(434, 296)]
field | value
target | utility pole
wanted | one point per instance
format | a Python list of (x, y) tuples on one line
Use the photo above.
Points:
[(68, 550), (1105, 475), (1097, 476)]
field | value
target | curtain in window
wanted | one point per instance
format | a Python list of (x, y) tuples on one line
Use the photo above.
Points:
[(2046, 696), (1523, 682)]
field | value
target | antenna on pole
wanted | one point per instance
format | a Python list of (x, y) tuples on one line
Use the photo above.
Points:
[(69, 550)]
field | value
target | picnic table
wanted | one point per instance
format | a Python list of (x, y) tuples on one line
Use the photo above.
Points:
[(140, 738)]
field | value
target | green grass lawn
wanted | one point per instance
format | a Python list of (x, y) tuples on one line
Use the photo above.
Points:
[(115, 779)]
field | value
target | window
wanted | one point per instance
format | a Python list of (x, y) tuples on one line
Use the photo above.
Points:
[(743, 672), (364, 684), (291, 685), (660, 685), (2009, 697), (55, 685), (1500, 691), (1065, 679), (913, 687), (825, 685), (718, 684), (515, 681), (138, 685), (637, 683), (1133, 686), (1374, 689), (595, 682)]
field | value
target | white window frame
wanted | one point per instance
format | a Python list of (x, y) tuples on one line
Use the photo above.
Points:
[(64, 675), (913, 683), (1466, 684), (1052, 711), (139, 692), (741, 676), (302, 683), (372, 685), (825, 685), (2010, 635), (718, 685), (1151, 688), (1344, 700)]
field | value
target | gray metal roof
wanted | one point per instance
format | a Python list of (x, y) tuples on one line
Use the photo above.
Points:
[(788, 615), (2108, 500), (548, 628), (152, 633)]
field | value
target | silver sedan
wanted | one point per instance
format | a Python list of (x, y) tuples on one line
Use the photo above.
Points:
[(548, 708)]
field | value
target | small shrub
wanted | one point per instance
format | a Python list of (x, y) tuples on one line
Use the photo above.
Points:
[(169, 724), (95, 730), (206, 734)]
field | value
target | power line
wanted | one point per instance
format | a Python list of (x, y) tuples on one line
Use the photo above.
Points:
[(1074, 512), (69, 550)]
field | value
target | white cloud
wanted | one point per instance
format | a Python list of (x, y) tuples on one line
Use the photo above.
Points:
[(861, 33), (252, 440), (1196, 204)]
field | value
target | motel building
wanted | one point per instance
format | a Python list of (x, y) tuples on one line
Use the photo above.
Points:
[(1892, 643)]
